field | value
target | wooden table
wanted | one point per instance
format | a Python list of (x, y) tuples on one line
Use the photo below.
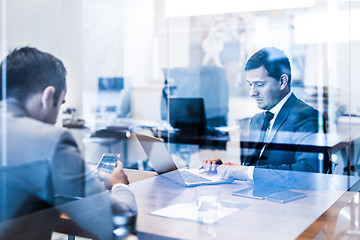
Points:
[(138, 175), (331, 224), (340, 220), (260, 219)]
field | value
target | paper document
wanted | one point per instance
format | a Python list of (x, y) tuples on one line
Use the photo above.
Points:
[(189, 210)]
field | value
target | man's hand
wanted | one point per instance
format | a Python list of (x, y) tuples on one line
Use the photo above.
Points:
[(231, 171), (211, 164), (117, 176)]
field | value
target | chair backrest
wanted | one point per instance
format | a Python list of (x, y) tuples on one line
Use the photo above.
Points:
[(26, 200), (331, 166), (85, 213), (24, 189)]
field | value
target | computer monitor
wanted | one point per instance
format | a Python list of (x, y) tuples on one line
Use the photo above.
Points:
[(188, 115), (207, 82), (110, 83)]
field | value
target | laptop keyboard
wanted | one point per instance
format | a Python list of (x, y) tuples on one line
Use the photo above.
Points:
[(192, 178)]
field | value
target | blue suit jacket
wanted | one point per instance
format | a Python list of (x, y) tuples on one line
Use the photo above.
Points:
[(293, 139)]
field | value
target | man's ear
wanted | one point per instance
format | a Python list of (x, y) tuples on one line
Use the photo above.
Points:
[(47, 98), (284, 81)]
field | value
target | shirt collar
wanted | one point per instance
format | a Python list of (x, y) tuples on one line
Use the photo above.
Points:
[(14, 107), (276, 109)]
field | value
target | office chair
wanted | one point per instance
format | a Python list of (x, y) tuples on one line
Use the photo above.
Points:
[(25, 191), (89, 217), (85, 214), (29, 209)]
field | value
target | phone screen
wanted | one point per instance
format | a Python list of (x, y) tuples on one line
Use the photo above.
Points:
[(108, 162)]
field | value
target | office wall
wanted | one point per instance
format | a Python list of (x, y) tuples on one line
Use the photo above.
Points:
[(118, 41), (135, 39), (53, 26), (72, 52), (351, 89), (103, 45), (35, 23), (138, 36)]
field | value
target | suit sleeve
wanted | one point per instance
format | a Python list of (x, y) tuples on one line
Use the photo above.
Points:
[(306, 136), (72, 178)]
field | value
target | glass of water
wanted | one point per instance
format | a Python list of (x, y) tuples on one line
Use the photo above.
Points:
[(207, 200)]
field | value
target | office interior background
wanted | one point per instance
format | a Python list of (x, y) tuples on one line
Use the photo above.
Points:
[(126, 59)]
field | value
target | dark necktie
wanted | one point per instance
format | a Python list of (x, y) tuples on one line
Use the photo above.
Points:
[(253, 159), (265, 126)]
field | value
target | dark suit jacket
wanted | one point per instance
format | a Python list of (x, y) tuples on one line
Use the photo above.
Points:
[(292, 139)]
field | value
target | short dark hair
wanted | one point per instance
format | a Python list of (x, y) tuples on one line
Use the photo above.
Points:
[(28, 71), (273, 59)]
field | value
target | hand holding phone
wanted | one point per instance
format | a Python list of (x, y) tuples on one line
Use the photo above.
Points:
[(108, 162), (110, 170), (117, 176)]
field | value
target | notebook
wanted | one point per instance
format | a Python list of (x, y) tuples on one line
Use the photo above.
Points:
[(164, 165)]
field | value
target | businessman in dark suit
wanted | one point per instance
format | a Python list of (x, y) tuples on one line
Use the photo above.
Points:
[(286, 126)]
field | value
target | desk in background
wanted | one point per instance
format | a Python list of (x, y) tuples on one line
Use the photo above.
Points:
[(119, 138), (120, 131)]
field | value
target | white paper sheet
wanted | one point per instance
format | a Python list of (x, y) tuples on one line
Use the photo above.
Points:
[(189, 210)]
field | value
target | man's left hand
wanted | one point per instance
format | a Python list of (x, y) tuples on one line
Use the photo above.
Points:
[(230, 172)]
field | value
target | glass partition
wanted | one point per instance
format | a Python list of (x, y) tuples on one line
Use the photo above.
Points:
[(270, 88), (208, 50), (176, 69)]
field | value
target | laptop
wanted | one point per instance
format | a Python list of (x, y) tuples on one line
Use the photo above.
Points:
[(165, 166)]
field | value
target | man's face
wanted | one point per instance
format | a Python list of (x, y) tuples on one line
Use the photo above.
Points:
[(266, 90), (54, 110)]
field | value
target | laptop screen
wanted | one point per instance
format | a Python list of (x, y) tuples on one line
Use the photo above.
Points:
[(157, 153)]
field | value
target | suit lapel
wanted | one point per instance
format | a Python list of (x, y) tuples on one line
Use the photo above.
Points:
[(282, 116), (259, 124)]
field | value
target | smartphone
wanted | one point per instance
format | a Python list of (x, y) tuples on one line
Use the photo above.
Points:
[(108, 162), (285, 196), (255, 192)]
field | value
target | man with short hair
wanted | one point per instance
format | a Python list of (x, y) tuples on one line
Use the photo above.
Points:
[(35, 85), (286, 126)]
